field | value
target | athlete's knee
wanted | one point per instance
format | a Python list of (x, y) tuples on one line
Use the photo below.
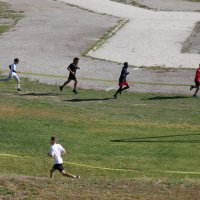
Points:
[(17, 79), (63, 172)]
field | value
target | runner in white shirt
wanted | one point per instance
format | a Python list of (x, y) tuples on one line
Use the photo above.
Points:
[(13, 73), (56, 152)]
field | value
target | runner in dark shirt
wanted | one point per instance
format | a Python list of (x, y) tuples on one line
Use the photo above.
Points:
[(122, 80), (72, 75)]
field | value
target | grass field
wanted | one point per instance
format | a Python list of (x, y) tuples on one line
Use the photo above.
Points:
[(140, 146)]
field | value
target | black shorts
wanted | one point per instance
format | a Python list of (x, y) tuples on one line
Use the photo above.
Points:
[(58, 167), (72, 77), (197, 83)]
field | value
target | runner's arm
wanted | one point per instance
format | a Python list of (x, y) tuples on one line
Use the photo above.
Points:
[(63, 151), (51, 153), (70, 70)]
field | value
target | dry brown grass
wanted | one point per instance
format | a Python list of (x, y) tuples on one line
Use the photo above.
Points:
[(12, 110), (19, 188)]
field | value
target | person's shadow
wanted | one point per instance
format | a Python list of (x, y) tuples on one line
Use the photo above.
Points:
[(37, 94), (89, 99), (161, 139), (166, 97)]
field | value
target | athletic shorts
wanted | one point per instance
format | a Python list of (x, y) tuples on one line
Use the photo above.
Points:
[(123, 83), (72, 77), (58, 167), (197, 83)]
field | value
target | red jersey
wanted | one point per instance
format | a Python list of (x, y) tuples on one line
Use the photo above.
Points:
[(197, 76)]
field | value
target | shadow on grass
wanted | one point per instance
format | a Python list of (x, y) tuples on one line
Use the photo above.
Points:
[(37, 94), (92, 99), (166, 97), (157, 139)]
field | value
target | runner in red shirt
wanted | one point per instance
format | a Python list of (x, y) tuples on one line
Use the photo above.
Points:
[(197, 82)]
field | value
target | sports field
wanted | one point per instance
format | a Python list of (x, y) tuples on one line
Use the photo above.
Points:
[(141, 146)]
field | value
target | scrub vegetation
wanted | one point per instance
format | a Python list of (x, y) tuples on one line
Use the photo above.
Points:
[(8, 17)]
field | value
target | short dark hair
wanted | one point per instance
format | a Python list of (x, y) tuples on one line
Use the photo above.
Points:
[(126, 64), (16, 60), (53, 138), (75, 59)]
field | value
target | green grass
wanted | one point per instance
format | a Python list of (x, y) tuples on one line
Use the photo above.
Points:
[(8, 17), (4, 28), (149, 136)]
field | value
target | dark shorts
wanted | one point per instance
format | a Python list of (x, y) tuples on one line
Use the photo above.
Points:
[(123, 83), (197, 83), (72, 77), (58, 167)]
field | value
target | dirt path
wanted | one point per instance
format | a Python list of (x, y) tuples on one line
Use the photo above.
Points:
[(52, 33), (166, 5), (150, 38)]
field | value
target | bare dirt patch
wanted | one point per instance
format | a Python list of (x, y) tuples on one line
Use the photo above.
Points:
[(8, 17), (169, 5), (192, 44), (11, 110)]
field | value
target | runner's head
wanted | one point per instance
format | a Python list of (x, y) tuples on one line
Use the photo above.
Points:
[(76, 60), (199, 65), (126, 64), (53, 140), (16, 60)]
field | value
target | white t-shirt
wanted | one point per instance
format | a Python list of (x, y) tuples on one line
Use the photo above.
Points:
[(13, 67), (56, 151)]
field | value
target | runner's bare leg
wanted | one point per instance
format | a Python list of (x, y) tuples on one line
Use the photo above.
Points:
[(125, 88), (75, 84), (65, 83), (52, 172), (197, 89), (68, 175)]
